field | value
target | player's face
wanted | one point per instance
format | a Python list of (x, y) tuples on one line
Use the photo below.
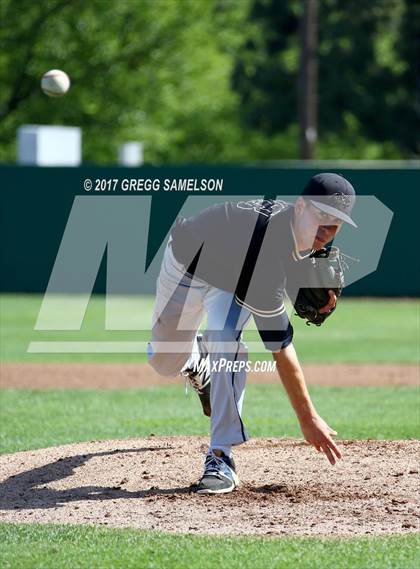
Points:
[(313, 227), (328, 227)]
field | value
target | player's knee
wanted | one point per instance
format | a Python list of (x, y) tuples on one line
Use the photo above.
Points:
[(219, 341), (164, 364), (161, 367)]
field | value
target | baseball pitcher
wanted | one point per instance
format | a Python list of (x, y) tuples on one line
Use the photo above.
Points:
[(238, 260)]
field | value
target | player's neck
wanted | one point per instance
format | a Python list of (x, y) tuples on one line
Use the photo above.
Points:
[(300, 252)]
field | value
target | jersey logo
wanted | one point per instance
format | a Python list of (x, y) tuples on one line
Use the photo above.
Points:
[(269, 208)]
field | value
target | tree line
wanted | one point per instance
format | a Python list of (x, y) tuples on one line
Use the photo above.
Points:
[(212, 80)]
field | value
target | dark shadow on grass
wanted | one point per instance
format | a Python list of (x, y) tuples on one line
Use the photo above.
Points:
[(26, 491)]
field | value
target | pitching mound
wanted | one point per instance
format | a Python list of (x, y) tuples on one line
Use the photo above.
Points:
[(287, 488)]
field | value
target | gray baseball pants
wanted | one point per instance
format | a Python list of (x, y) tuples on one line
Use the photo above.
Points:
[(181, 304)]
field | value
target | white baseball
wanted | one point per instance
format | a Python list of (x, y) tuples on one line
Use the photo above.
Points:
[(55, 83)]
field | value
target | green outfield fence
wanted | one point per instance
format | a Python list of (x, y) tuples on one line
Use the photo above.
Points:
[(36, 202)]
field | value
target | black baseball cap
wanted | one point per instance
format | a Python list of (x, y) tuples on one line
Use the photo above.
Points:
[(333, 194)]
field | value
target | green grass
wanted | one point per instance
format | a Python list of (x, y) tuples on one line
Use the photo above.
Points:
[(36, 419), (19, 315), (361, 330), (55, 547)]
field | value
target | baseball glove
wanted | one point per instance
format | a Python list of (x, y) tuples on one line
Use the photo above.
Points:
[(324, 271)]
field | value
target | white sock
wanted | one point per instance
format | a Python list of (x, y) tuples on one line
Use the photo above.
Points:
[(194, 358), (227, 450)]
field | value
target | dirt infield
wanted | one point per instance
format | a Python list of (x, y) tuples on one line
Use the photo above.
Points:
[(286, 487), (123, 376)]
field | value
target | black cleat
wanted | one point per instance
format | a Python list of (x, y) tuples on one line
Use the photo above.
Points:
[(219, 475)]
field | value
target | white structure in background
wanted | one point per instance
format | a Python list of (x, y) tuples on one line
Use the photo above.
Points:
[(131, 154), (39, 145)]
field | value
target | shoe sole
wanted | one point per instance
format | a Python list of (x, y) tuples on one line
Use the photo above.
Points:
[(205, 404), (222, 491)]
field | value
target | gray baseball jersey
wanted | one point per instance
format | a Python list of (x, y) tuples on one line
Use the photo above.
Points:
[(246, 248)]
